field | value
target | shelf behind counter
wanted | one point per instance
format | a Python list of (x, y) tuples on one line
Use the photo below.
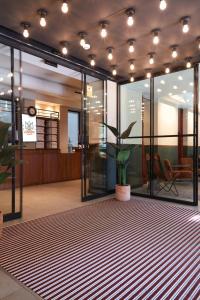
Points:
[(42, 166)]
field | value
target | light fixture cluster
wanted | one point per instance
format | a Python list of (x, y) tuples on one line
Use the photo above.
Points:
[(103, 31)]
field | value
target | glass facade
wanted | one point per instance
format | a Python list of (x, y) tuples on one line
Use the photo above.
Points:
[(164, 137)]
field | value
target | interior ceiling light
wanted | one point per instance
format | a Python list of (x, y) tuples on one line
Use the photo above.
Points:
[(132, 64), (185, 24), (198, 42), (82, 38), (92, 60), (110, 53), (64, 7), (148, 73), (167, 68), (130, 12), (131, 47), (188, 62), (132, 77), (156, 38), (43, 14), (151, 58), (26, 26), (174, 51), (64, 45), (163, 4), (114, 70), (103, 29)]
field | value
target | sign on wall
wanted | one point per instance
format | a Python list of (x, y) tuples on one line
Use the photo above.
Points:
[(29, 128)]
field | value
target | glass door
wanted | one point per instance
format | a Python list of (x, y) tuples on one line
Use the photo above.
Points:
[(94, 175), (10, 112)]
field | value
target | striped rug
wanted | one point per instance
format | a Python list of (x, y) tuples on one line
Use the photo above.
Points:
[(111, 250)]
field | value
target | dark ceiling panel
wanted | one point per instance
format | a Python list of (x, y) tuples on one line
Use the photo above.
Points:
[(85, 16)]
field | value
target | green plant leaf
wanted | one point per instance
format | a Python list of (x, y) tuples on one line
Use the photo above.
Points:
[(3, 133), (123, 156), (127, 132), (112, 129), (3, 176)]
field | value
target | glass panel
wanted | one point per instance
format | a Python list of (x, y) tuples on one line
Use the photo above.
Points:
[(73, 129), (172, 173), (95, 138), (135, 106), (173, 103), (138, 170), (5, 116)]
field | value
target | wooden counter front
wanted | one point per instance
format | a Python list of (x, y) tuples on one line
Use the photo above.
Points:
[(48, 166)]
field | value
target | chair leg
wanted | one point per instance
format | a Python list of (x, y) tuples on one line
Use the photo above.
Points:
[(169, 186)]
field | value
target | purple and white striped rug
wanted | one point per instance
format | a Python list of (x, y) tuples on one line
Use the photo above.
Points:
[(110, 250)]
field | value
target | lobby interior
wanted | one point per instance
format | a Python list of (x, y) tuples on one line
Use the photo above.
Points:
[(67, 67)]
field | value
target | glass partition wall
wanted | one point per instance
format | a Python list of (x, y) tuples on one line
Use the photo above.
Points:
[(164, 162)]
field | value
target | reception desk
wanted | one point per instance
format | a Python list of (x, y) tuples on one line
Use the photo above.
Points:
[(47, 166)]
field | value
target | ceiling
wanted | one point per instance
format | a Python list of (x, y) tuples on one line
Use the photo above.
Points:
[(85, 16)]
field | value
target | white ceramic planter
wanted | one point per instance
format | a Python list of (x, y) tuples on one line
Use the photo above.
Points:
[(123, 192)]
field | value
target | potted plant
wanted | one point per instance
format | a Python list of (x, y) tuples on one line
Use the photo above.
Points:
[(7, 158), (122, 157)]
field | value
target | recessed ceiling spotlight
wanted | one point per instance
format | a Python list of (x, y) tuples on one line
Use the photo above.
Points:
[(132, 78), (1, 79), (188, 62), (148, 73), (64, 45), (92, 60), (110, 53), (65, 7), (174, 51), (130, 12), (191, 83), (103, 29), (167, 68), (159, 90), (184, 92), (26, 26), (163, 4), (114, 70), (185, 24), (180, 77), (162, 82), (175, 87), (156, 38), (146, 85), (131, 47), (170, 94), (86, 46), (82, 36), (132, 64), (43, 14), (151, 58)]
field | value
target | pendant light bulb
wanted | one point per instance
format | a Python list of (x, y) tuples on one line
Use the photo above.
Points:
[(132, 79), (151, 58), (188, 62), (185, 24), (174, 51), (156, 38), (64, 46), (43, 14), (26, 27), (114, 70), (130, 16), (43, 22), (132, 65), (131, 47), (64, 7), (163, 4), (148, 74), (110, 53), (103, 30), (167, 69), (92, 60)]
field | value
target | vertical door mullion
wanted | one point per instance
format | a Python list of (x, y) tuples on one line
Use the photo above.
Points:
[(195, 134)]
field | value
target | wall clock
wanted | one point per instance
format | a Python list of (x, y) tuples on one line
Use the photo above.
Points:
[(32, 111)]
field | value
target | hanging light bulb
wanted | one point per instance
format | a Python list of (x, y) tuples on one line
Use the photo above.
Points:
[(156, 39), (185, 24), (26, 27), (114, 70), (163, 4), (43, 14), (198, 42), (103, 30), (131, 47), (132, 65), (64, 45), (92, 60), (82, 36), (188, 62), (64, 7), (130, 12), (167, 68), (148, 73), (110, 53), (174, 51), (151, 58), (132, 78)]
